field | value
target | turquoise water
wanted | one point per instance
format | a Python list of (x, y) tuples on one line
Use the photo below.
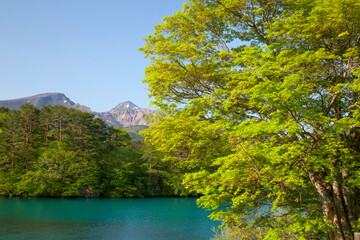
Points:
[(123, 219)]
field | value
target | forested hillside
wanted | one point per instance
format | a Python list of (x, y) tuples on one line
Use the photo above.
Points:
[(62, 152)]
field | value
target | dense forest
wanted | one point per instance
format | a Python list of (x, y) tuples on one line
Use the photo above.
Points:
[(60, 152)]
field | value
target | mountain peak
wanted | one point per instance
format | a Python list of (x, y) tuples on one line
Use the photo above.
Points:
[(126, 114), (125, 105)]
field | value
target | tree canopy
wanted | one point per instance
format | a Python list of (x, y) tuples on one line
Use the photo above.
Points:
[(59, 152), (259, 109)]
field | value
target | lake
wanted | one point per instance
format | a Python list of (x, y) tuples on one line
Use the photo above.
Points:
[(121, 219)]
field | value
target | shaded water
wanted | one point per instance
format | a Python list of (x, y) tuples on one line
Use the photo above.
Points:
[(123, 219)]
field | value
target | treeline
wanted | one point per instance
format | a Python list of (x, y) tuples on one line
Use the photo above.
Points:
[(59, 152)]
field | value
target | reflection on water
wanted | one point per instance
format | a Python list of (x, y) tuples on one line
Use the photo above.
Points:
[(125, 219)]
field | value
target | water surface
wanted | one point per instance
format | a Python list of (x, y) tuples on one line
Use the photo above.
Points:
[(124, 219)]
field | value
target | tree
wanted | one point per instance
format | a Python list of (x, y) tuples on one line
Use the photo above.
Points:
[(55, 174), (259, 105), (3, 112), (9, 142), (162, 179), (29, 126), (60, 117)]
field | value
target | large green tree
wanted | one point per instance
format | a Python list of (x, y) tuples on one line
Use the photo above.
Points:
[(259, 105)]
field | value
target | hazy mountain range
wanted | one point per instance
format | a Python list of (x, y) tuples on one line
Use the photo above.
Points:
[(124, 115)]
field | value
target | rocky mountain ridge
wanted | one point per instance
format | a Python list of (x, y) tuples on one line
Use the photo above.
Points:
[(38, 101), (123, 115), (126, 114)]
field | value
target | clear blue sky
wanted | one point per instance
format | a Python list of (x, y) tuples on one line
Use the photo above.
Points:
[(86, 49)]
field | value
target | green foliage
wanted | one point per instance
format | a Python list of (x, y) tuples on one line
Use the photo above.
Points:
[(259, 110), (134, 132), (59, 152)]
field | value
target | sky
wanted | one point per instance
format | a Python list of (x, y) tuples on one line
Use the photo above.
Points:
[(86, 49)]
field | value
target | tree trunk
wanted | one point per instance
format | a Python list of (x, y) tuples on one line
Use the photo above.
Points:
[(60, 137), (150, 158), (341, 211), (12, 155), (46, 133), (333, 207)]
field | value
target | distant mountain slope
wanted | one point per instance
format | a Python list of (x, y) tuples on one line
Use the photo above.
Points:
[(124, 115), (135, 130), (39, 101)]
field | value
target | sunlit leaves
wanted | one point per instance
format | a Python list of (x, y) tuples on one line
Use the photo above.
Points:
[(272, 121)]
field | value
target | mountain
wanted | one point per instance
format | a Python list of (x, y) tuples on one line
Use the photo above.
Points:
[(39, 101), (124, 115)]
